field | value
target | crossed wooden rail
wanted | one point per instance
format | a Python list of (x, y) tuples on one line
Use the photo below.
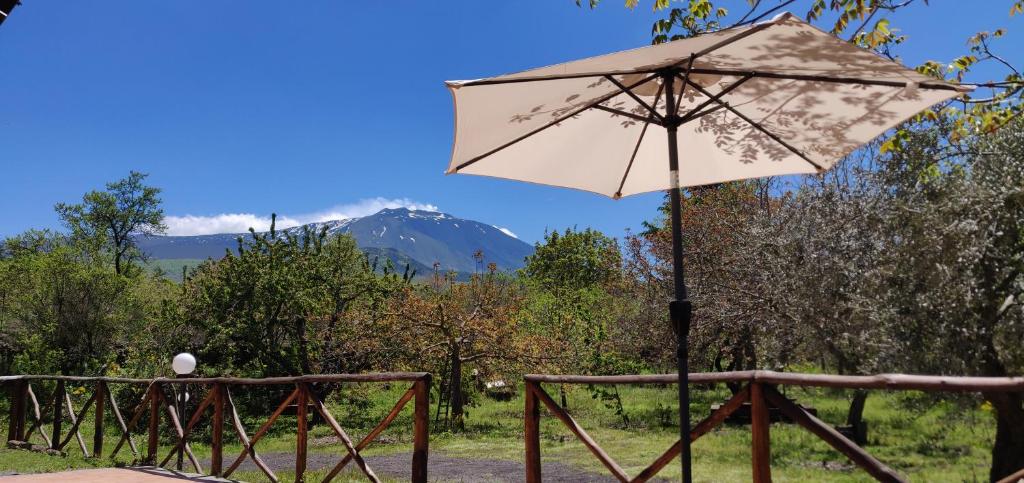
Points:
[(217, 400), (760, 392)]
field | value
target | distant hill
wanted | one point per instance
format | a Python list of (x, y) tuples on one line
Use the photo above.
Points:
[(172, 267), (417, 237)]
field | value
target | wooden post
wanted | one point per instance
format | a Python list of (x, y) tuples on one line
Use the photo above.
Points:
[(37, 412), (531, 434), (300, 433), (581, 434), (178, 393), (76, 421), (126, 428), (155, 398), (217, 431), (702, 428), (372, 435), (759, 422), (421, 429), (58, 414), (345, 440), (249, 445), (97, 437), (19, 395)]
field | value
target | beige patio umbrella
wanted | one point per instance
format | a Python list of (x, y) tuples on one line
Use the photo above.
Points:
[(775, 98)]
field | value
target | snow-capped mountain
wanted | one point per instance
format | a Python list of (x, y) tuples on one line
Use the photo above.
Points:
[(416, 236)]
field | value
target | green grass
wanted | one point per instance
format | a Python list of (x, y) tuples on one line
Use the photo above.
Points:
[(31, 462), (922, 438)]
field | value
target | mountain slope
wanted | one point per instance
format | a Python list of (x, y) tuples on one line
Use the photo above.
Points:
[(420, 237)]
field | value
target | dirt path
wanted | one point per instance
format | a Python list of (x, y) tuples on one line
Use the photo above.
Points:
[(441, 468), (113, 475)]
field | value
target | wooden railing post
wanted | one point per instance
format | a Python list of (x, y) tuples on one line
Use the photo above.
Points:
[(97, 437), (217, 431), (16, 424), (76, 420), (58, 414), (301, 434), (759, 423), (155, 399), (421, 429), (531, 434)]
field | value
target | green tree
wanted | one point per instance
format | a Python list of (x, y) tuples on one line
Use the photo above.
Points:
[(452, 324), (574, 260), (729, 232), (65, 309), (572, 279), (127, 208), (287, 303), (574, 285), (829, 273), (955, 240)]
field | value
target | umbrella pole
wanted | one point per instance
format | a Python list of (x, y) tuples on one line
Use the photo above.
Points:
[(679, 309)]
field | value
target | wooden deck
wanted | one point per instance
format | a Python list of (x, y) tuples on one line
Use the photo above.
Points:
[(144, 474)]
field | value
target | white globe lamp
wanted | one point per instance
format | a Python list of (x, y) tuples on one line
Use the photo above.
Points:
[(183, 364)]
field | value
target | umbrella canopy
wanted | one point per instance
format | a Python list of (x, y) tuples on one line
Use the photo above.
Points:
[(6, 7), (780, 97)]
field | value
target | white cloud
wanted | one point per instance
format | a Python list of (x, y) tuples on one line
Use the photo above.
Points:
[(222, 223), (240, 222), (508, 232)]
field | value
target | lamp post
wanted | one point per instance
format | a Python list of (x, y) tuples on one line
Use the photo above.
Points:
[(183, 365)]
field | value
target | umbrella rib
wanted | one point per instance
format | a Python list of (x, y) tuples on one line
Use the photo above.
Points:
[(694, 117), (759, 127), (740, 36), (552, 123), (682, 89), (693, 56), (630, 93), (723, 92), (636, 149), (831, 79), (730, 72), (630, 115)]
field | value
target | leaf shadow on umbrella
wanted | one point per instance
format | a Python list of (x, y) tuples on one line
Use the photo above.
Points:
[(571, 103), (815, 117)]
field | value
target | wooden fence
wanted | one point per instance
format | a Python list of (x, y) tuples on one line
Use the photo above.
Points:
[(760, 392), (218, 401)]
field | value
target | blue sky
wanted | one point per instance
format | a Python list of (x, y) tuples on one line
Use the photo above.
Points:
[(316, 108)]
